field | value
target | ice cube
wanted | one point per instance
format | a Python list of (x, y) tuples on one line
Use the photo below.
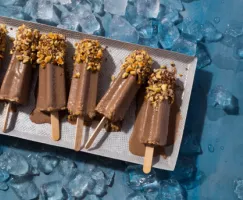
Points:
[(239, 188), (100, 188), (148, 8), (168, 34), (105, 21), (46, 13), (61, 11), (31, 8), (3, 186), (4, 175), (174, 4), (171, 190), (131, 15), (228, 40), (210, 33), (137, 180), (121, 29), (89, 23), (193, 28), (109, 174), (13, 2), (24, 189), (14, 163), (66, 166), (222, 99), (146, 29), (115, 7), (82, 7), (185, 168), (238, 48), (47, 163), (97, 174), (71, 22), (197, 180), (171, 16), (98, 6), (13, 12), (33, 161), (53, 191), (185, 45), (78, 184), (136, 196), (92, 197), (151, 42), (235, 28), (203, 57), (190, 145)]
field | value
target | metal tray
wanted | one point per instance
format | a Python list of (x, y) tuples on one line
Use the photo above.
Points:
[(112, 145)]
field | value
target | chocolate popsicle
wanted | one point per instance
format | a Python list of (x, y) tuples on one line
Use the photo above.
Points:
[(16, 83), (83, 91), (153, 118), (116, 101), (51, 96)]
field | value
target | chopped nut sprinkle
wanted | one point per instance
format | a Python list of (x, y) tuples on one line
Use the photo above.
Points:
[(138, 63), (51, 49), (161, 85), (3, 34), (76, 75), (25, 44), (89, 52)]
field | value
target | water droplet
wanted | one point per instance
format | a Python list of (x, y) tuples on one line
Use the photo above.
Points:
[(222, 148), (216, 20), (211, 148), (217, 140)]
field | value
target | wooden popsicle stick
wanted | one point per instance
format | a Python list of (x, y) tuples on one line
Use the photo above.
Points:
[(5, 123), (148, 159), (79, 133), (96, 132), (55, 126)]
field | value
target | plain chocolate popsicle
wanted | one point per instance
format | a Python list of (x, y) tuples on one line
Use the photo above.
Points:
[(115, 103), (51, 95), (84, 85), (153, 118), (16, 83)]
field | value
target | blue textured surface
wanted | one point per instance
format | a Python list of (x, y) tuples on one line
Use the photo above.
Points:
[(210, 164)]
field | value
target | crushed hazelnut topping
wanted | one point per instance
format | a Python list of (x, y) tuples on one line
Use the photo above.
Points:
[(138, 64), (3, 34), (51, 49), (25, 44), (76, 75), (89, 52), (161, 85)]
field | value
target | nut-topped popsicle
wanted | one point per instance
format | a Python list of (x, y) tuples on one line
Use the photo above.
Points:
[(51, 89), (153, 117), (116, 101), (83, 91), (16, 83)]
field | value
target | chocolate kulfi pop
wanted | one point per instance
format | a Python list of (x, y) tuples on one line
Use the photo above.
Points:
[(83, 91), (51, 95), (16, 83), (115, 103), (153, 117)]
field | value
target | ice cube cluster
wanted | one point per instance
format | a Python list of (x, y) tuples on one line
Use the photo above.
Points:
[(155, 23), (68, 179)]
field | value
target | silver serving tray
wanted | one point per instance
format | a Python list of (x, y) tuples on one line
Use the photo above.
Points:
[(112, 145)]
